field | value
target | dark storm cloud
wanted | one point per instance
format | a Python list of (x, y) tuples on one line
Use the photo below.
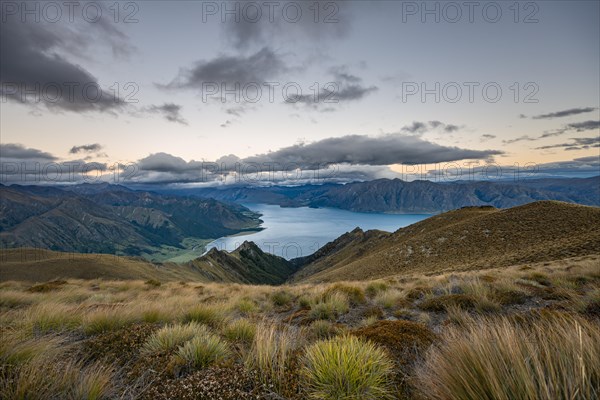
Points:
[(565, 113), (576, 144), (170, 111), (353, 153), (257, 68), (86, 148), (33, 59), (344, 159), (19, 152), (358, 149)]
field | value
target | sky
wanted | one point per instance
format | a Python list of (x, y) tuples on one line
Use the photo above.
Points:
[(200, 93)]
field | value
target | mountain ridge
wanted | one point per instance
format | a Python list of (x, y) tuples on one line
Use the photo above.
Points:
[(398, 196), (112, 219)]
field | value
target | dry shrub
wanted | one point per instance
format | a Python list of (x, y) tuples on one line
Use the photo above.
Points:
[(405, 342)]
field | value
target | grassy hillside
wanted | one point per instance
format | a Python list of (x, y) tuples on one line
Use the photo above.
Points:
[(247, 264), (528, 331), (35, 265), (465, 239)]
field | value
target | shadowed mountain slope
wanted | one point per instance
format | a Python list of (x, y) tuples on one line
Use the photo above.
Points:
[(247, 264), (111, 219)]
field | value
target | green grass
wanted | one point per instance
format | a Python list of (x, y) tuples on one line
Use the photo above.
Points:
[(347, 368), (331, 307), (205, 314), (171, 336), (281, 298), (203, 350), (240, 330)]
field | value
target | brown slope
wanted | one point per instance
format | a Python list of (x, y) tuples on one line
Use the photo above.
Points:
[(468, 238), (36, 265)]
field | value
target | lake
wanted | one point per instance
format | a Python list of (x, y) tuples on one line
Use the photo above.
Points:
[(298, 232)]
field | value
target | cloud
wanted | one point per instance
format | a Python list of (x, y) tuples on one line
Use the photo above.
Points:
[(520, 139), (487, 137), (576, 144), (280, 23), (584, 126), (19, 152), (359, 149), (347, 87), (170, 111), (34, 59), (354, 154), (236, 111), (229, 70), (574, 126), (565, 113), (418, 127), (86, 148), (23, 165), (164, 162)]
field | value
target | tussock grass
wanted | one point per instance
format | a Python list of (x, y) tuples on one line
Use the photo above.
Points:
[(389, 298), (355, 294), (554, 356), (281, 298), (273, 352), (346, 367), (246, 306), (330, 307), (14, 299), (375, 287), (52, 317), (15, 351), (204, 349), (211, 315), (240, 330), (140, 328), (171, 336), (107, 319), (322, 329), (43, 379)]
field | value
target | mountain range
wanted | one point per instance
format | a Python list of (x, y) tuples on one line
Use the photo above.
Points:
[(112, 219), (398, 196), (471, 238)]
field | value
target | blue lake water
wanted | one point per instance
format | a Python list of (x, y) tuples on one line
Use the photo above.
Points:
[(298, 232)]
